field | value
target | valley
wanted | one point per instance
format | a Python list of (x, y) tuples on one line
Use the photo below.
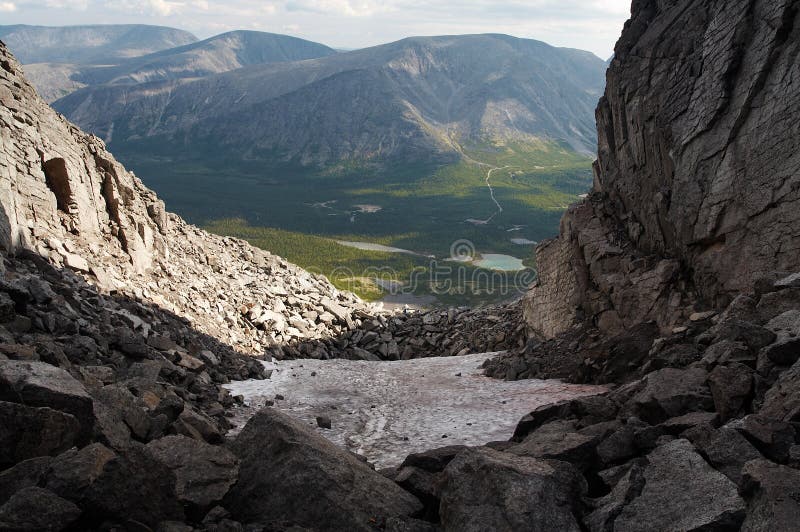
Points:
[(416, 145), (302, 213)]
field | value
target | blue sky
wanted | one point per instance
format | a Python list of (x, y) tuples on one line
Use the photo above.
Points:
[(592, 25)]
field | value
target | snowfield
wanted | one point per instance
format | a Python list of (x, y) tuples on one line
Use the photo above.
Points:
[(388, 410)]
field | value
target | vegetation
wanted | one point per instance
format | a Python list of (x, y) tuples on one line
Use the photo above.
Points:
[(300, 213)]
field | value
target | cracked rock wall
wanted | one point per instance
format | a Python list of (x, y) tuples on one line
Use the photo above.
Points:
[(697, 183)]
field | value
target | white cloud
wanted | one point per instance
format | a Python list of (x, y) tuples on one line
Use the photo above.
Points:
[(349, 8), (77, 5), (157, 8), (7, 7)]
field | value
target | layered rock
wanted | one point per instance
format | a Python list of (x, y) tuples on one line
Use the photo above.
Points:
[(697, 179)]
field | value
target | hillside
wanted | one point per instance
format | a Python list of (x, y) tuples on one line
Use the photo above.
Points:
[(96, 44), (221, 53)]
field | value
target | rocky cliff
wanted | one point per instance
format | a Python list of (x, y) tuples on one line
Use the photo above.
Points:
[(697, 181)]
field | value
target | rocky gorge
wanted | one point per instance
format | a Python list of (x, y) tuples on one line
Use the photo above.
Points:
[(122, 327)]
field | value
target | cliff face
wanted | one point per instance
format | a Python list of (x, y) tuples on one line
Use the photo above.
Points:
[(697, 182), (57, 180)]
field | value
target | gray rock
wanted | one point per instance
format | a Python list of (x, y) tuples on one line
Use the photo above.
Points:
[(669, 393), (40, 384), (732, 388), (283, 466), (782, 400), (681, 492), (130, 485), (774, 493), (558, 440), (627, 483), (28, 432), (490, 490), (725, 449), (204, 473), (25, 474), (433, 460), (37, 510), (771, 437), (791, 281)]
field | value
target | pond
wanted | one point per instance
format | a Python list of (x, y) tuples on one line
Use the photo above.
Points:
[(503, 263)]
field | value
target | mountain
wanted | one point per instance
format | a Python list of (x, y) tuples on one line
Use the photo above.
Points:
[(126, 58), (89, 44), (420, 97), (228, 51)]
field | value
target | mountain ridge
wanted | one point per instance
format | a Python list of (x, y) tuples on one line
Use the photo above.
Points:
[(90, 43), (418, 66)]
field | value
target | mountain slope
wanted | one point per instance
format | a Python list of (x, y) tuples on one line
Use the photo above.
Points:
[(221, 53), (451, 90), (95, 44)]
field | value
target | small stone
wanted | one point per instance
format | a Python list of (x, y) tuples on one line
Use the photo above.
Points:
[(702, 316), (324, 422)]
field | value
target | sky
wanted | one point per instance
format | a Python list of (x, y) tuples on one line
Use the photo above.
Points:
[(592, 25)]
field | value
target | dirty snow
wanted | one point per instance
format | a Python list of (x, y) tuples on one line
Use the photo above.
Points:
[(387, 410)]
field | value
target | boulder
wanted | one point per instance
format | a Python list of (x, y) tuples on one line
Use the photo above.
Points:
[(776, 303), (732, 388), (591, 409), (785, 351), (670, 393), (725, 449), (28, 432), (132, 485), (489, 490), (125, 407), (627, 482), (771, 437), (681, 492), (558, 440), (40, 384), (782, 400), (433, 460), (424, 485), (774, 494), (290, 474), (204, 473), (25, 474), (35, 509)]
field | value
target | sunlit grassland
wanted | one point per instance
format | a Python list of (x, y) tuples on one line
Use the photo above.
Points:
[(424, 207)]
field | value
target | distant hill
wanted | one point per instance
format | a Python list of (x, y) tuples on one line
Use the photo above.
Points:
[(426, 98), (221, 53), (95, 44)]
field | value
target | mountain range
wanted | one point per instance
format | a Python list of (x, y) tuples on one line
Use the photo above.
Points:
[(418, 97)]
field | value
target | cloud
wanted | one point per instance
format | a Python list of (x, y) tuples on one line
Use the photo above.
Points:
[(348, 8), (77, 5), (157, 8), (7, 7)]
